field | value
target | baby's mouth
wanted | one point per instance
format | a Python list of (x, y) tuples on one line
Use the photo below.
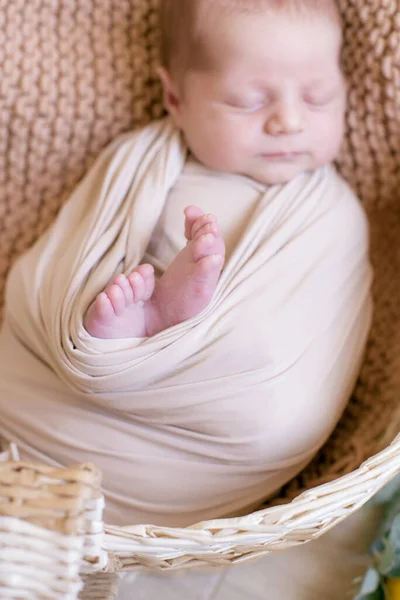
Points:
[(281, 155)]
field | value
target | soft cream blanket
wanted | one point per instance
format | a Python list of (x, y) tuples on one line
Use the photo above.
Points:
[(209, 417)]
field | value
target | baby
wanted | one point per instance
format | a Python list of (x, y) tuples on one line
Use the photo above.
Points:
[(245, 345), (257, 90)]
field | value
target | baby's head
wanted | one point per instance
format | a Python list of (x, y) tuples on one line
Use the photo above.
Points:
[(255, 85)]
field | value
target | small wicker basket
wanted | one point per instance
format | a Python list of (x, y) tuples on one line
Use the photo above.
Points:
[(104, 54)]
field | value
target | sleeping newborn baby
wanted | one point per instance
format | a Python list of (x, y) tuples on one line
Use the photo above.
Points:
[(195, 319), (252, 96)]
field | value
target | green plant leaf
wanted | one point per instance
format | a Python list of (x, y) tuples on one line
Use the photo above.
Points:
[(395, 534), (387, 559), (394, 573), (372, 587)]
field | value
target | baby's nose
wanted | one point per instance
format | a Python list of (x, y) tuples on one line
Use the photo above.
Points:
[(287, 118)]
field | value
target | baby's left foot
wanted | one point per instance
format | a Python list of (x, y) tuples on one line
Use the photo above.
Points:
[(118, 312)]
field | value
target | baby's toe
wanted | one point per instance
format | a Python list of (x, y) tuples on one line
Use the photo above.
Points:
[(192, 214), (102, 308), (207, 228), (117, 298), (204, 221), (202, 247), (137, 285), (122, 282), (147, 273)]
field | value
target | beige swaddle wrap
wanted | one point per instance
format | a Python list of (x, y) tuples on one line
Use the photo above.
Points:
[(209, 417)]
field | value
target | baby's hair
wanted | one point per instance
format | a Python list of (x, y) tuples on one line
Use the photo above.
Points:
[(184, 25)]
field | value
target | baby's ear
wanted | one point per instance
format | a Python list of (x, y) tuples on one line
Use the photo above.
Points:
[(172, 102)]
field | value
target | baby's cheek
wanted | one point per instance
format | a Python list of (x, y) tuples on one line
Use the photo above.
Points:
[(222, 144), (328, 138), (241, 143), (226, 148)]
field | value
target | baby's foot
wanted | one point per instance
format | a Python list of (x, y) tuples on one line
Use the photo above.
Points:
[(189, 283), (133, 307), (118, 312)]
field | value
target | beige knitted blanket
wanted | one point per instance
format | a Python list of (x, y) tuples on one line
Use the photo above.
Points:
[(235, 401)]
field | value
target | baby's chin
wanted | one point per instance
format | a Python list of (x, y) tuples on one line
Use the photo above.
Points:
[(278, 173), (274, 175)]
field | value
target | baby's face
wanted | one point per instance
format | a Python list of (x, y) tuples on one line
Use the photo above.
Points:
[(274, 104)]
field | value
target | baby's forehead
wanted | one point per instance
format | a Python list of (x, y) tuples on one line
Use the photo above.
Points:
[(269, 43), (206, 14), (197, 33)]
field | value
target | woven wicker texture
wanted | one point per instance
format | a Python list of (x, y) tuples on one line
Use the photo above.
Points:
[(101, 586), (75, 73), (50, 525)]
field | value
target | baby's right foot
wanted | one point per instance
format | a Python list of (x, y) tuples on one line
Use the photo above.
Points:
[(187, 286), (118, 312)]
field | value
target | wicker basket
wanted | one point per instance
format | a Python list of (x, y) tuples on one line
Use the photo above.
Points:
[(103, 63)]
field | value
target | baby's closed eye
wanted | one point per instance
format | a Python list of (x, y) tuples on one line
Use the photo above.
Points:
[(321, 98), (245, 104)]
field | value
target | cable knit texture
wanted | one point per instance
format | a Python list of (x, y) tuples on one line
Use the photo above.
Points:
[(76, 73)]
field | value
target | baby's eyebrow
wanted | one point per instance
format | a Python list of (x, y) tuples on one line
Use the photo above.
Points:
[(324, 81), (318, 82)]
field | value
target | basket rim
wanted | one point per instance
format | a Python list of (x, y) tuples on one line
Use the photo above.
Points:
[(306, 517)]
